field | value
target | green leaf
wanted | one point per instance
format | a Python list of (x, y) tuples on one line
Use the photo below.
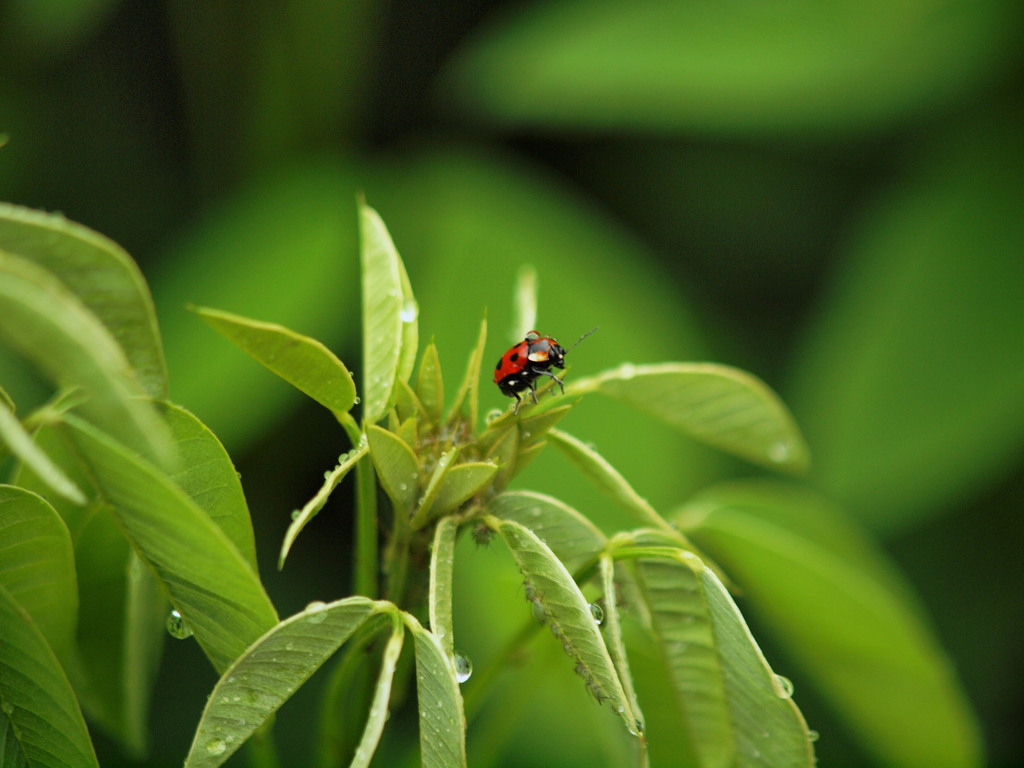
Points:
[(103, 277), (607, 478), (274, 246), (121, 612), (736, 711), (144, 632), (568, 613), (467, 399), (299, 521), (462, 483), (378, 714), (613, 637), (409, 315), (536, 426), (571, 536), (424, 511), (429, 385), (37, 565), (208, 476), (719, 405), (749, 69), (828, 598), (36, 697), (209, 582), (382, 314), (14, 436), (439, 598), (919, 402), (269, 672), (45, 322), (504, 451), (303, 362), (442, 722), (397, 467)]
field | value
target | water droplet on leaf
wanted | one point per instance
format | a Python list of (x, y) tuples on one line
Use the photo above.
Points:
[(597, 612), (463, 667), (176, 626), (316, 612), (783, 686), (410, 311), (813, 735), (779, 453), (216, 746)]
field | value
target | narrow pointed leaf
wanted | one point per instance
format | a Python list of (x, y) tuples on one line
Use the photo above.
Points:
[(382, 314), (268, 673), (378, 714), (613, 634), (462, 483), (14, 436), (144, 633), (208, 476), (48, 324), (429, 384), (397, 467), (504, 452), (302, 361), (314, 505), (467, 399), (424, 512), (568, 612), (536, 426), (607, 478), (409, 315), (442, 721), (571, 536), (896, 686), (209, 582), (734, 708), (442, 563), (36, 697), (103, 277), (37, 565), (722, 406)]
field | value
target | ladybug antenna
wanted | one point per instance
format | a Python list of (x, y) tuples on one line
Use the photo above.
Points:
[(581, 338)]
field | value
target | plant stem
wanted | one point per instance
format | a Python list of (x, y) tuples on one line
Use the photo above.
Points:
[(366, 566)]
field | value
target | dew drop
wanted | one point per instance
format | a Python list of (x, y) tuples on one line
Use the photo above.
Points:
[(216, 746), (597, 612), (316, 612), (410, 311), (7, 707), (463, 667), (813, 735), (783, 686), (403, 487), (176, 626), (327, 475), (626, 371), (357, 401), (296, 513), (493, 415), (779, 453)]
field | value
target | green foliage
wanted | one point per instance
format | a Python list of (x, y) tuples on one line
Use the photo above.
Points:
[(825, 194), (182, 532)]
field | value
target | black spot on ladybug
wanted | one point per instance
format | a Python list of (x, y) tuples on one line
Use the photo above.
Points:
[(513, 357)]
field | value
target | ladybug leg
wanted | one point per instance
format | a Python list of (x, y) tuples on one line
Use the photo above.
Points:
[(558, 381), (515, 408)]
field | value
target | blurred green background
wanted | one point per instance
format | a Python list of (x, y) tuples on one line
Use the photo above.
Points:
[(830, 195)]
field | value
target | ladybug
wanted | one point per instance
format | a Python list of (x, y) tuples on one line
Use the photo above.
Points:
[(535, 356)]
